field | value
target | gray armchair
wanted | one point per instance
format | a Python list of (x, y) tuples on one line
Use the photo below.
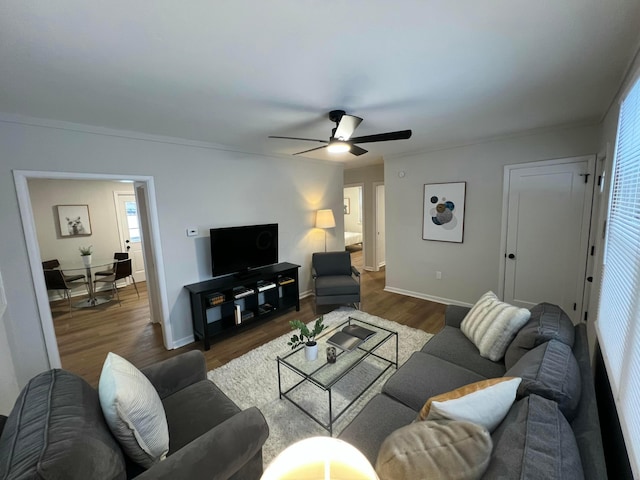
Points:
[(336, 281), (56, 429)]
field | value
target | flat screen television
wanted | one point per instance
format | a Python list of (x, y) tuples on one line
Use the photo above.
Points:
[(240, 249)]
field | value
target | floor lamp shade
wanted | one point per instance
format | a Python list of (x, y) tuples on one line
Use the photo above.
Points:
[(325, 219)]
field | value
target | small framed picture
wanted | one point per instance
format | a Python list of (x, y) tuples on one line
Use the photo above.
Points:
[(443, 218), (74, 220), (347, 206)]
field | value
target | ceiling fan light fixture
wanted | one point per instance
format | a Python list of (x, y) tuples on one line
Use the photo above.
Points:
[(338, 146)]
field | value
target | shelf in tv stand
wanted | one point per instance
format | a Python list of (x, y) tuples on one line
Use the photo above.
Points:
[(213, 303)]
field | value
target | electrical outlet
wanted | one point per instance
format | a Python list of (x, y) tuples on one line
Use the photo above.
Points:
[(192, 232), (438, 275)]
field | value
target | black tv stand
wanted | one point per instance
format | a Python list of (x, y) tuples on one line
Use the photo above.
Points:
[(245, 274), (225, 305)]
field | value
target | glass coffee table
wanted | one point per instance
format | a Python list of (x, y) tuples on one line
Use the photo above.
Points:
[(304, 382)]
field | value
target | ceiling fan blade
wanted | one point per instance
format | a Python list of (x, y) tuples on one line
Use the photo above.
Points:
[(297, 138), (357, 151), (383, 137), (310, 150), (346, 127)]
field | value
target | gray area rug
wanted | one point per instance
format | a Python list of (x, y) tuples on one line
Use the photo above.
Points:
[(252, 380)]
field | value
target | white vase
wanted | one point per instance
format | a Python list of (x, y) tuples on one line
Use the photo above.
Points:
[(311, 351), (86, 259)]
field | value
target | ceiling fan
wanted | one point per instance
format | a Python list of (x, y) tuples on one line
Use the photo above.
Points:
[(341, 139)]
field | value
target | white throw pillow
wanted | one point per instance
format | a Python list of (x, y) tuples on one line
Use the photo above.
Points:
[(491, 325), (485, 403), (133, 410)]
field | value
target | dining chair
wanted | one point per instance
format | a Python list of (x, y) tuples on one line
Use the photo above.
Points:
[(53, 264), (55, 280), (122, 270), (118, 256)]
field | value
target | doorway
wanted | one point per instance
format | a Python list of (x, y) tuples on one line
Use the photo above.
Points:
[(380, 227), (129, 232), (545, 233), (354, 224), (157, 289)]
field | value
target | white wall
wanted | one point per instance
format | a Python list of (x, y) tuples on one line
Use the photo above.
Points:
[(8, 382), (368, 176), (196, 186), (471, 268)]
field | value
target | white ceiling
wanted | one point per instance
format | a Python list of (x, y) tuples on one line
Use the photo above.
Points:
[(233, 72)]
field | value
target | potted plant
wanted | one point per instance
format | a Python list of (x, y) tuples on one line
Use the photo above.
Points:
[(307, 337), (85, 253)]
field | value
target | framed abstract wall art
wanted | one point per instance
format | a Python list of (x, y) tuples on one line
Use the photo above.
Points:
[(74, 220), (444, 211)]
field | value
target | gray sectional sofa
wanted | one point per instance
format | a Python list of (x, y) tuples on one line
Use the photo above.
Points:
[(552, 430), (57, 430)]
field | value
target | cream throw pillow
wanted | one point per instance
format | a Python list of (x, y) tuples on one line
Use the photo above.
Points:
[(133, 411), (435, 450), (491, 325), (486, 402)]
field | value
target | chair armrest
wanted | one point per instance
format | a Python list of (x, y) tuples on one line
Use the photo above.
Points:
[(174, 374), (454, 314), (217, 454), (355, 271), (314, 274)]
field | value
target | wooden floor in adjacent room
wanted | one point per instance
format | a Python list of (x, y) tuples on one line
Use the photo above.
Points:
[(86, 335)]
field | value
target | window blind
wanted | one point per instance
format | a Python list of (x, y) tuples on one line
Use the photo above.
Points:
[(618, 323)]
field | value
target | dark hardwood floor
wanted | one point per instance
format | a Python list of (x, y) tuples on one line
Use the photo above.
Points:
[(86, 335)]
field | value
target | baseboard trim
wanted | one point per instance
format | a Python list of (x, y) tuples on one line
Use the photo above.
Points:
[(183, 341), (424, 296), (305, 294)]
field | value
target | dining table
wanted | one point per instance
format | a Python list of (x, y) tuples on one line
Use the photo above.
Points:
[(88, 269)]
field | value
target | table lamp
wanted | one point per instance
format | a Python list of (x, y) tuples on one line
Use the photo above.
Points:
[(324, 220), (320, 458)]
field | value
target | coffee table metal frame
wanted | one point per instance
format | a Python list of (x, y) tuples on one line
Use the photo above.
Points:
[(325, 375)]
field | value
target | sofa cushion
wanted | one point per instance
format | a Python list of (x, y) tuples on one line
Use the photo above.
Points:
[(133, 411), (337, 285), (492, 324), (435, 449), (56, 430), (485, 403), (375, 422), (551, 371), (547, 322), (452, 345), (186, 409), (535, 441), (424, 376)]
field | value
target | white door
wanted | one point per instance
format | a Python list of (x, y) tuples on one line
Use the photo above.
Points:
[(547, 232), (380, 231), (130, 236)]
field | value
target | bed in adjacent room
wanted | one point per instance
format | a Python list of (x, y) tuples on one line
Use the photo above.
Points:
[(352, 238)]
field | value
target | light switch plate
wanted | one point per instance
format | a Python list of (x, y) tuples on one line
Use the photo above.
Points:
[(192, 232)]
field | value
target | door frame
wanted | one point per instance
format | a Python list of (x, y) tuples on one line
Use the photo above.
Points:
[(158, 291), (586, 214), (377, 264)]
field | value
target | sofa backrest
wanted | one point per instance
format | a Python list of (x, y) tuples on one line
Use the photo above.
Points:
[(56, 430), (586, 424)]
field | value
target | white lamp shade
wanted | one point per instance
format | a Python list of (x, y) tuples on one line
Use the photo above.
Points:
[(320, 458), (324, 219)]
